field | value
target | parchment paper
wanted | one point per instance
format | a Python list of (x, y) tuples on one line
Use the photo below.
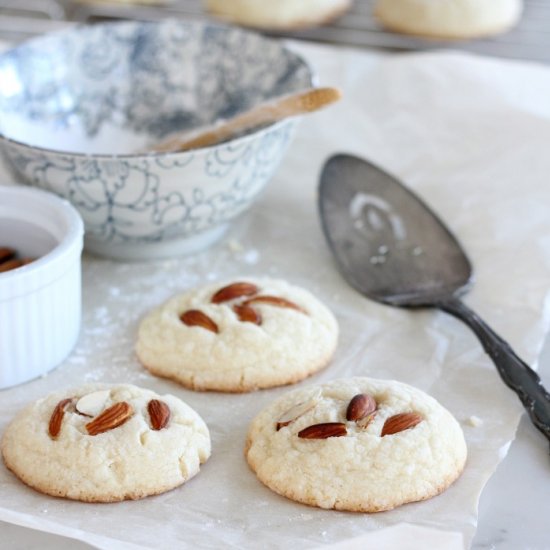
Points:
[(468, 134)]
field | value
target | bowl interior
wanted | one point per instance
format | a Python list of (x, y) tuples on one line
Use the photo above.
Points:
[(27, 238), (114, 88), (32, 222)]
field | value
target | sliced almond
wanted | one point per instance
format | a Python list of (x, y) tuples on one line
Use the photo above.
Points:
[(364, 422), (159, 414), (273, 301), (110, 418), (247, 314), (235, 290), (196, 318), (56, 418), (361, 405), (400, 422), (323, 431), (92, 403), (298, 410)]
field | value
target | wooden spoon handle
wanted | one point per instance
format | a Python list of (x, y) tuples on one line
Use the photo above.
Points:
[(265, 113)]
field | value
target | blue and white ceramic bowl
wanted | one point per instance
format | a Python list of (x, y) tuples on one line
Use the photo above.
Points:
[(75, 107)]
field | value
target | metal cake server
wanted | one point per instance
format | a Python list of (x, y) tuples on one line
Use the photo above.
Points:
[(393, 249)]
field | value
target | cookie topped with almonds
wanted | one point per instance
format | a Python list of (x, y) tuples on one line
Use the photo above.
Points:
[(106, 443), (238, 336), (358, 444)]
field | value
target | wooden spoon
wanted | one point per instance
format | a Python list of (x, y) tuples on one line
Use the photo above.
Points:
[(298, 103)]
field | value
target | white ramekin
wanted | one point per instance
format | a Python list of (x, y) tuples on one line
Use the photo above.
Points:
[(40, 303)]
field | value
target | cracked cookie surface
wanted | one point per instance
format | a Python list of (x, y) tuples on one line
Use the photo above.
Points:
[(238, 336), (106, 443), (356, 444)]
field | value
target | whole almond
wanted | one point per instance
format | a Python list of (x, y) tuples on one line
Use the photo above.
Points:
[(361, 405), (110, 418), (8, 265), (247, 314), (6, 253), (273, 301), (196, 318), (298, 410), (323, 431), (57, 417), (400, 422), (235, 290), (159, 413)]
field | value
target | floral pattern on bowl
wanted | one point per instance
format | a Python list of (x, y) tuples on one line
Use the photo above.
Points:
[(76, 106)]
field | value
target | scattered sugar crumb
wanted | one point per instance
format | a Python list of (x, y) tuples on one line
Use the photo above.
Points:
[(102, 312), (95, 330), (169, 263), (376, 260), (474, 421), (251, 257), (235, 246)]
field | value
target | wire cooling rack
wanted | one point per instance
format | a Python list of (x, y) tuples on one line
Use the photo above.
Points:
[(528, 40)]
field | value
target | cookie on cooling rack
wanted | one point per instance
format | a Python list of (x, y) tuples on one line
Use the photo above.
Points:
[(449, 19), (282, 14)]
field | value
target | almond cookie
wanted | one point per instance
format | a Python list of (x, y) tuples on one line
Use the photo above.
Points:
[(359, 444), (282, 14), (106, 443), (449, 19), (238, 336)]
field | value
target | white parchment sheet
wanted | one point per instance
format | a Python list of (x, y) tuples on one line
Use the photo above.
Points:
[(471, 136)]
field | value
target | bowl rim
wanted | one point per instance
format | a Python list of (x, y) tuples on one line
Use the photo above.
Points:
[(312, 77), (151, 154)]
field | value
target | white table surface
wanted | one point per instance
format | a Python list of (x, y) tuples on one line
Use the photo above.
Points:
[(513, 510)]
